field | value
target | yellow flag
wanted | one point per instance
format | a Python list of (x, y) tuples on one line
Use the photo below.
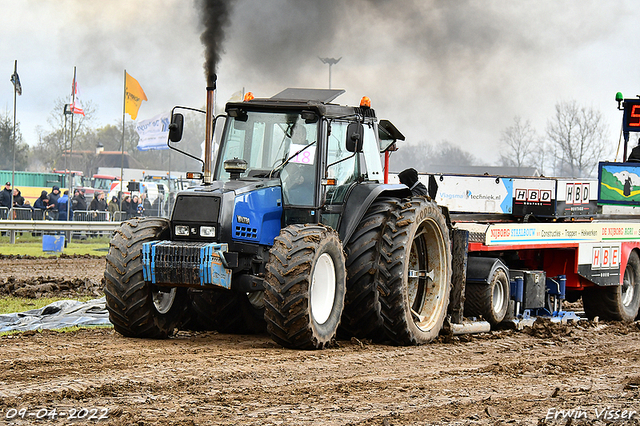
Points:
[(134, 95)]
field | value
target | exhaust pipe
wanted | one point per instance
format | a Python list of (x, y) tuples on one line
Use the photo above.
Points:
[(208, 140)]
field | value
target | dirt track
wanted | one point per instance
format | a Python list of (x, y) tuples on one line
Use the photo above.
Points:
[(503, 377)]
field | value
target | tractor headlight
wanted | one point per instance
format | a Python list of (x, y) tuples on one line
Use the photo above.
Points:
[(208, 231), (182, 230)]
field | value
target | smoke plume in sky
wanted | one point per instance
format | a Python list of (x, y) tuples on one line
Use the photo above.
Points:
[(438, 69)]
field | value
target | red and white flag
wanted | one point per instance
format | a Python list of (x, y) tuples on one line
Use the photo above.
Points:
[(76, 105)]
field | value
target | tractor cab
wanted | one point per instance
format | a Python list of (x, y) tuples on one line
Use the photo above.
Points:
[(315, 152)]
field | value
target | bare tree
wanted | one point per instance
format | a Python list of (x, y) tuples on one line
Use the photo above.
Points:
[(52, 144), (520, 141), (410, 155), (6, 144), (578, 134), (424, 155), (451, 155)]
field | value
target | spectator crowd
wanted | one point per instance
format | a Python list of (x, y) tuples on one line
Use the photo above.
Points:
[(59, 206)]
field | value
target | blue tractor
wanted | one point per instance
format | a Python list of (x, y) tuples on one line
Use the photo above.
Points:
[(293, 228)]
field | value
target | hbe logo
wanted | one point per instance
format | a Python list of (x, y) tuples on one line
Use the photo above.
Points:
[(577, 193), (605, 257)]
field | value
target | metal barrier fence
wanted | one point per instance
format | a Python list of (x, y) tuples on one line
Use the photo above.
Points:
[(90, 215), (85, 223), (21, 213)]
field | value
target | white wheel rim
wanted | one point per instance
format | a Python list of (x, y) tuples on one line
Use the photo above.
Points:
[(498, 297), (425, 284), (627, 286), (164, 301), (627, 293), (323, 289)]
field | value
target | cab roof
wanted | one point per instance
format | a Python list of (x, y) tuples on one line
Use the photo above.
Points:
[(297, 98)]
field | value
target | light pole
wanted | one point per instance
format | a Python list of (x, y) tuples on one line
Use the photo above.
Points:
[(330, 62)]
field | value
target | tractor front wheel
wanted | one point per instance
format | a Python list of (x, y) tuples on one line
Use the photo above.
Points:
[(305, 287), (137, 308)]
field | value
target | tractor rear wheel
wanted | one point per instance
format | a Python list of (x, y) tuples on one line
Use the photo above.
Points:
[(416, 261), (305, 287), (361, 317), (616, 303), (137, 308)]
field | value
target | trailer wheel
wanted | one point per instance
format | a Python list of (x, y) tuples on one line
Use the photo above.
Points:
[(225, 311), (361, 317), (616, 303), (490, 301), (136, 308), (416, 262), (305, 286)]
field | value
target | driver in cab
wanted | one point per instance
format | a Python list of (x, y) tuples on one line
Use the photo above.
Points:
[(299, 183)]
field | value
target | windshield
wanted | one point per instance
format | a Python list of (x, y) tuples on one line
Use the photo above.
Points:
[(274, 145), (265, 141)]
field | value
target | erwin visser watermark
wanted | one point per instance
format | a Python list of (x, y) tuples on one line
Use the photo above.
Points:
[(597, 413)]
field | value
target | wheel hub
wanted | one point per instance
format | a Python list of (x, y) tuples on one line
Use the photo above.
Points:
[(163, 301), (498, 297), (323, 288)]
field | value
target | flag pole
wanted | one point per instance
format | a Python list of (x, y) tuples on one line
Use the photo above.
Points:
[(68, 172), (124, 104), (13, 170)]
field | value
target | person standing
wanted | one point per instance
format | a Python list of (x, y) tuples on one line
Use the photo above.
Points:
[(146, 205), (79, 201), (134, 207), (98, 204), (113, 207), (41, 205), (53, 202), (18, 199), (63, 204), (126, 205), (5, 196)]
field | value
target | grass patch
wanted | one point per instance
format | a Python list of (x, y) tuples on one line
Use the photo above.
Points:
[(27, 244), (59, 330), (9, 305)]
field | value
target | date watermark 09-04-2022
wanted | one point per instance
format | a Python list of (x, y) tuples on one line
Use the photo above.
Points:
[(82, 414)]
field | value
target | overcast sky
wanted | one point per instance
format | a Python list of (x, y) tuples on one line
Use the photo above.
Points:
[(454, 70)]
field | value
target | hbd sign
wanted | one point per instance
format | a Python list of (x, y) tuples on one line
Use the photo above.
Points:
[(577, 193), (533, 195)]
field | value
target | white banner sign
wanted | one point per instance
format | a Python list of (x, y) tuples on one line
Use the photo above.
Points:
[(154, 132)]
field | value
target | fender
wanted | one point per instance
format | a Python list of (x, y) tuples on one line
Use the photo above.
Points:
[(481, 269), (360, 199)]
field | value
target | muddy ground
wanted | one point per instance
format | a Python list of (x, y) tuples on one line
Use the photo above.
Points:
[(500, 378)]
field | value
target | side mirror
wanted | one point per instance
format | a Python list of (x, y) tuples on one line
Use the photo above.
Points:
[(176, 127), (355, 133), (238, 114)]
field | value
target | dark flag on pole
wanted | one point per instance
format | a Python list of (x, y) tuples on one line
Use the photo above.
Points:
[(16, 82)]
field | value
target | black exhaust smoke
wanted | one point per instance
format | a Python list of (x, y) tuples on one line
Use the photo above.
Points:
[(215, 17)]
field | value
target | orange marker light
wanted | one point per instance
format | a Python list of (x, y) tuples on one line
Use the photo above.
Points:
[(248, 96), (365, 102)]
